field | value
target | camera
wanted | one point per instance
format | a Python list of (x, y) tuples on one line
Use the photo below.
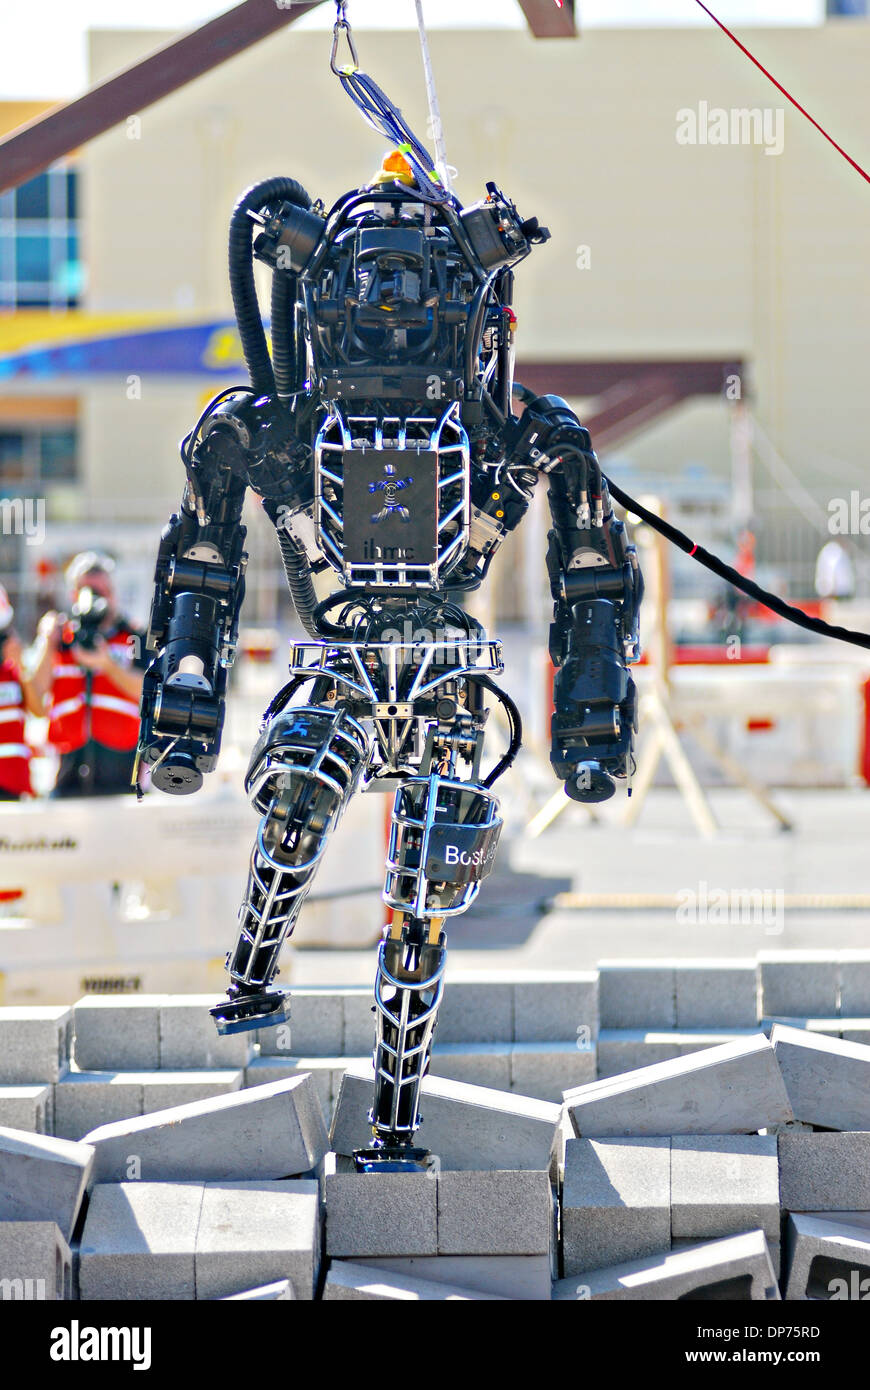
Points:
[(86, 615)]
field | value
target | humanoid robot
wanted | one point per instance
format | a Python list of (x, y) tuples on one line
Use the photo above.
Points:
[(381, 439)]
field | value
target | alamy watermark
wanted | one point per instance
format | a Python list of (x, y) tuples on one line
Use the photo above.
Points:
[(849, 516), (737, 125), (23, 516), (756, 907)]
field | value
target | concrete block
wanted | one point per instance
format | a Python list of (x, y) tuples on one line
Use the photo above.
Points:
[(637, 994), (626, 1049), (162, 1090), (824, 1172), (738, 1269), (370, 1214), (347, 1282), (27, 1107), (271, 1131), (139, 1241), (118, 1033), (828, 1258), (717, 994), (615, 1201), (564, 1132), (546, 1069), (854, 984), (42, 1178), (263, 1070), (279, 1292), (828, 1080), (34, 1043), (797, 983), (35, 1262), (188, 1038), (724, 1184), (478, 1064), (83, 1100), (554, 1007), (254, 1233), (520, 1277), (476, 1008), (493, 1213), (466, 1126), (774, 1250), (358, 1019), (316, 1027), (722, 1090)]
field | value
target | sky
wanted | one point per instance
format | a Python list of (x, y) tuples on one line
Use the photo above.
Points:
[(43, 50)]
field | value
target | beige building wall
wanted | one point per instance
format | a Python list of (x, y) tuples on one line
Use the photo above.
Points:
[(708, 251)]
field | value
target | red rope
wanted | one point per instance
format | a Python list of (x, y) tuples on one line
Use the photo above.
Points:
[(743, 49)]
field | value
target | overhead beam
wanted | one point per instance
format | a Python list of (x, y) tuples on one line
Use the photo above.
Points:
[(548, 20), (32, 148)]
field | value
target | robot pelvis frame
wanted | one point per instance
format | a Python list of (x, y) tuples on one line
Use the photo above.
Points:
[(380, 437)]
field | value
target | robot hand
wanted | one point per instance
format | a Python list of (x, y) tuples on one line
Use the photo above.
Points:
[(194, 621)]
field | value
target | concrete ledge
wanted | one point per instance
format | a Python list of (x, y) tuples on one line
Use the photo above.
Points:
[(828, 1080), (139, 1241), (35, 1043), (279, 1292), (118, 1033), (616, 1201), (737, 1269), (525, 1278), (828, 1258), (347, 1282), (255, 1233), (30, 1108), (722, 1184), (824, 1172), (468, 1127), (731, 1089), (43, 1179), (35, 1262), (269, 1131)]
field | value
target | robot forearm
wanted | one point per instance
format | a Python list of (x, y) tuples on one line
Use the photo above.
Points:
[(597, 588), (198, 591)]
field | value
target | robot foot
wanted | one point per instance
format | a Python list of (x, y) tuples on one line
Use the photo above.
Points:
[(261, 1009), (394, 1158)]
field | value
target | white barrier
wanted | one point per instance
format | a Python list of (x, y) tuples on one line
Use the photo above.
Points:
[(106, 895)]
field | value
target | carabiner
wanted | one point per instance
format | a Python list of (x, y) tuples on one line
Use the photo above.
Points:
[(341, 23)]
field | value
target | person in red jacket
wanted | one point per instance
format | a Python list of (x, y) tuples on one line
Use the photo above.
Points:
[(16, 700), (88, 669)]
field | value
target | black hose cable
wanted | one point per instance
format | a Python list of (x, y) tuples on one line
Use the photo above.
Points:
[(241, 270), (285, 358), (733, 577), (516, 724), (299, 581)]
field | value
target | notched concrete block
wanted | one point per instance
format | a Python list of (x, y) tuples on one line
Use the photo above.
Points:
[(737, 1270), (35, 1042)]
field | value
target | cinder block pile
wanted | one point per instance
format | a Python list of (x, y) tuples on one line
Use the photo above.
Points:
[(720, 1150)]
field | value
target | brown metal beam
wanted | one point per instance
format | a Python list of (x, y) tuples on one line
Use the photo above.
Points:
[(29, 150), (594, 378), (547, 20)]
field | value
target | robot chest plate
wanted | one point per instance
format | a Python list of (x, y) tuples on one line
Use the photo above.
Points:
[(391, 507), (392, 498)]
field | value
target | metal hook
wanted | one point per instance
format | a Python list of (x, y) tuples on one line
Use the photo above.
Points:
[(341, 24)]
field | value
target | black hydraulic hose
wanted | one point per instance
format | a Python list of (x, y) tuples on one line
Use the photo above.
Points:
[(298, 571), (285, 362), (241, 269), (516, 724), (735, 578)]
